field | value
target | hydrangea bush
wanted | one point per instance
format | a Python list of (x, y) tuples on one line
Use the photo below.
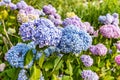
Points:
[(46, 46)]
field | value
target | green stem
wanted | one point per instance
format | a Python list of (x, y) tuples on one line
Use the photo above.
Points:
[(57, 64), (6, 33)]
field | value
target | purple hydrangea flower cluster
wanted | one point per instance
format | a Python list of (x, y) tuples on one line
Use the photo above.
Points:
[(46, 34), (90, 29), (49, 9), (8, 3), (15, 56), (22, 5), (26, 31), (52, 15), (74, 40), (110, 19), (110, 31), (98, 49), (76, 21), (87, 60), (27, 13), (43, 32), (22, 75), (89, 75)]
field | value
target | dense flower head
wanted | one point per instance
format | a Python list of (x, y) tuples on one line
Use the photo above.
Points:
[(117, 59), (46, 34), (109, 19), (28, 14), (55, 18), (22, 75), (74, 40), (12, 6), (21, 5), (15, 56), (118, 45), (98, 49), (42, 31), (110, 31), (49, 9), (26, 31), (87, 60), (76, 21), (89, 75)]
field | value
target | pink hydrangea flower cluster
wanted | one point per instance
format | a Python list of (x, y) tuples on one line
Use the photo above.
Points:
[(117, 59), (118, 45), (110, 31), (98, 49)]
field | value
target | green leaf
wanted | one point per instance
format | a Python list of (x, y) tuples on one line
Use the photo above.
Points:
[(69, 68), (12, 72), (54, 77), (41, 60), (67, 78), (49, 64), (58, 63), (35, 73), (108, 77), (29, 57)]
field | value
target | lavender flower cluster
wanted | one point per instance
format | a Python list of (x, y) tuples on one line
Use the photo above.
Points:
[(87, 60), (110, 19), (15, 56), (42, 31), (8, 3), (22, 75), (98, 49), (89, 75), (52, 15), (74, 40)]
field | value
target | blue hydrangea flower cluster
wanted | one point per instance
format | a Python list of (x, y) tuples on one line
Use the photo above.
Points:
[(87, 60), (15, 56), (22, 75), (51, 50), (89, 75), (43, 32), (74, 40), (109, 19)]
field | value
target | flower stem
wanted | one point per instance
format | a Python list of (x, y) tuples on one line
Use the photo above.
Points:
[(6, 33)]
